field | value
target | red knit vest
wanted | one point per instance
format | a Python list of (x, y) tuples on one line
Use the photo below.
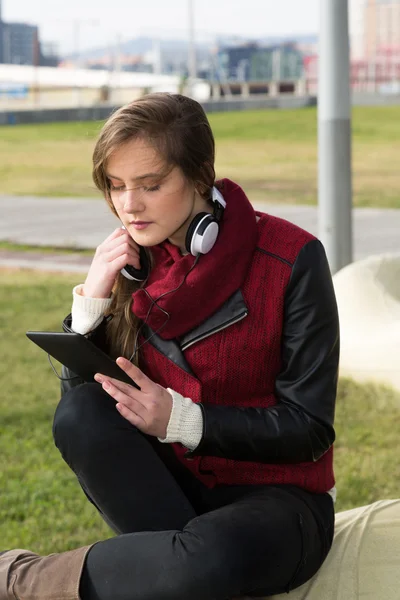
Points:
[(238, 366)]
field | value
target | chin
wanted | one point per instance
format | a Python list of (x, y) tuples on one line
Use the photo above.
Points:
[(146, 238)]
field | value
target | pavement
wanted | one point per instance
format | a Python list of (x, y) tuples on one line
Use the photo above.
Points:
[(86, 222)]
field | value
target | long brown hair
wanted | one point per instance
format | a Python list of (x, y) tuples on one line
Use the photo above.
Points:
[(178, 129)]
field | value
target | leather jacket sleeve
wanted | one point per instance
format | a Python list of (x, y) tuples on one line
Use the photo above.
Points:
[(97, 336), (300, 427)]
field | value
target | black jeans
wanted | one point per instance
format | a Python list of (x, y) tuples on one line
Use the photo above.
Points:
[(177, 539)]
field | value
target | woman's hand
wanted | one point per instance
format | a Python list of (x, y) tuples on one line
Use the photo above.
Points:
[(149, 408), (118, 250)]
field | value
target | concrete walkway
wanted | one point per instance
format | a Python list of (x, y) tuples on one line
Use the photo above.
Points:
[(86, 222)]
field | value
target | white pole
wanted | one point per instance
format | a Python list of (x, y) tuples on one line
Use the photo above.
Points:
[(192, 70), (78, 91), (157, 56), (118, 68), (334, 134)]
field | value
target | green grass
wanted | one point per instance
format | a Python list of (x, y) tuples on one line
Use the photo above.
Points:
[(271, 153), (42, 506), (44, 249)]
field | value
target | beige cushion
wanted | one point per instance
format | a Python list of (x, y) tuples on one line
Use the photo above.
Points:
[(364, 561), (368, 296)]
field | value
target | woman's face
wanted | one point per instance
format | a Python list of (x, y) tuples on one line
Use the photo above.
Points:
[(152, 205)]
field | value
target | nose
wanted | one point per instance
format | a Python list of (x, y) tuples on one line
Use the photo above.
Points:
[(132, 201)]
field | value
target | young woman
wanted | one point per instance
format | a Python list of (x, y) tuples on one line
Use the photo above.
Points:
[(216, 475)]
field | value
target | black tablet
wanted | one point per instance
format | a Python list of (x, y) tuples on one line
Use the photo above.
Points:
[(79, 354)]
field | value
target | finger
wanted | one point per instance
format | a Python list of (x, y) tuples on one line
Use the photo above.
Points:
[(125, 252), (144, 382), (130, 416), (123, 398), (119, 242), (115, 235), (118, 237), (125, 388), (126, 259)]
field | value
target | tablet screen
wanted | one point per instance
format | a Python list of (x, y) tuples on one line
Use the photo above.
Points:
[(79, 354)]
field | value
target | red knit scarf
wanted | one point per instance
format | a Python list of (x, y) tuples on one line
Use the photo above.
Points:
[(216, 276)]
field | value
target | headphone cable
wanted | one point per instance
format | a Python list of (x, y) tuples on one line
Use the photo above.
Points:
[(154, 303)]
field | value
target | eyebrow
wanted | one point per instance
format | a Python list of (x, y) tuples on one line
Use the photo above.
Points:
[(140, 177)]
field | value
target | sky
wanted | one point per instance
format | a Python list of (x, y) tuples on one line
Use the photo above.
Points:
[(83, 24)]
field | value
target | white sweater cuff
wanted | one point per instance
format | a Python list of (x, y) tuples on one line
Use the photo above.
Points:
[(185, 423), (87, 313)]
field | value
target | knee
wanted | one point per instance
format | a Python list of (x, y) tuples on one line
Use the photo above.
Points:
[(80, 417), (221, 564)]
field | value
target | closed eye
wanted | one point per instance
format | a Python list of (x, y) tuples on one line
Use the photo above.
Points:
[(120, 188)]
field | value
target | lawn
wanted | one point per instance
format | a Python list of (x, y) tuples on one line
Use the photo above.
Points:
[(272, 153), (41, 505)]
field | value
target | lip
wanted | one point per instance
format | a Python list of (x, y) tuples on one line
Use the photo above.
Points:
[(140, 224)]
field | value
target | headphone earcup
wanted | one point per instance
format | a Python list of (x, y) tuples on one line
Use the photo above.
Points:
[(192, 229), (138, 274), (202, 234)]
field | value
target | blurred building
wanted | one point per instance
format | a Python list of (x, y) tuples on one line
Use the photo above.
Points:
[(253, 62), (382, 28), (114, 62), (374, 28), (143, 55), (1, 35), (19, 42), (20, 45), (375, 44), (48, 55), (357, 28)]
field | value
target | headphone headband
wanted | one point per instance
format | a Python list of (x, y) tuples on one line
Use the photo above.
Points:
[(217, 197)]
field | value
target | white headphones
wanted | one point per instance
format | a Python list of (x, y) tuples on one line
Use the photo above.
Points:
[(203, 230)]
